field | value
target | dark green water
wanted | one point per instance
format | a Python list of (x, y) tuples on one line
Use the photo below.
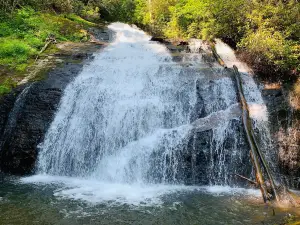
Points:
[(36, 204)]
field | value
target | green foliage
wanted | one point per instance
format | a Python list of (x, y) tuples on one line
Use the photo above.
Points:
[(119, 10), (6, 86), (79, 20), (268, 31), (272, 36), (269, 48), (23, 34), (141, 12), (14, 50)]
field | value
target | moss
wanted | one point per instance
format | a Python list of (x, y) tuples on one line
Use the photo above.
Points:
[(295, 223), (79, 20), (52, 49), (24, 33), (41, 75), (4, 89), (7, 85)]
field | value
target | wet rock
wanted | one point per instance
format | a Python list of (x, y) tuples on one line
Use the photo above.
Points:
[(25, 118), (7, 104), (102, 34), (284, 127), (183, 43), (217, 158), (206, 158), (160, 40), (211, 97)]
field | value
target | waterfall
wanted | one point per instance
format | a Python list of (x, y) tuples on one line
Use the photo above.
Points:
[(257, 108), (13, 115), (121, 106), (133, 117)]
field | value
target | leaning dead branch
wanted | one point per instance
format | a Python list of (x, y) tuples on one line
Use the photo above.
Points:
[(247, 179), (51, 39), (257, 156)]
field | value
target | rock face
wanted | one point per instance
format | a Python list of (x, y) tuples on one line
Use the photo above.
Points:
[(210, 164), (285, 129), (215, 150), (26, 114)]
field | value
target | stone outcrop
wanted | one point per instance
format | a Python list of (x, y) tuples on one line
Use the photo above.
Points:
[(285, 129), (26, 115)]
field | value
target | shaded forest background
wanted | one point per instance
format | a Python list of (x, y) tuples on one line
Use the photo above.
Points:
[(265, 32)]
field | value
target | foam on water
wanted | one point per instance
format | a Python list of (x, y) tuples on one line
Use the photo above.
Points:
[(98, 192)]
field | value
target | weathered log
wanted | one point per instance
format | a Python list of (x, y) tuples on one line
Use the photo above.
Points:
[(245, 178), (49, 40), (216, 55), (266, 168), (248, 127), (257, 155)]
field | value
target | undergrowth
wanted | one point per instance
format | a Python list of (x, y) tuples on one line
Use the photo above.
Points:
[(6, 86), (23, 34)]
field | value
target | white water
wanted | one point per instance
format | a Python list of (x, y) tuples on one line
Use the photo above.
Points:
[(257, 108), (124, 124), (115, 112), (95, 191)]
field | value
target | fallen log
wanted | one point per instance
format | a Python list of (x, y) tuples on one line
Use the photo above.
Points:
[(245, 178), (248, 129), (266, 168), (256, 153), (270, 191), (49, 40), (216, 55)]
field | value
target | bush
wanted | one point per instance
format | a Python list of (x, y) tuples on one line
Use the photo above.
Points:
[(23, 34), (6, 86), (15, 51)]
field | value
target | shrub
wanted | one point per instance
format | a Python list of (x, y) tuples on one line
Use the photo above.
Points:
[(6, 86), (270, 51), (13, 50)]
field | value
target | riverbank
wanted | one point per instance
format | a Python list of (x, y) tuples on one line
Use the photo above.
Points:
[(31, 42), (28, 118), (28, 109)]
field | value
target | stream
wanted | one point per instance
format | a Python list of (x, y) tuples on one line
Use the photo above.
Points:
[(141, 139)]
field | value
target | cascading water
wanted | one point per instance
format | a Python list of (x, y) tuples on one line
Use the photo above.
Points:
[(11, 122), (135, 121), (119, 108), (257, 107)]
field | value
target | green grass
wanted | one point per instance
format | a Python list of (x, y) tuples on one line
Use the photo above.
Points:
[(23, 34), (79, 20), (4, 89), (6, 86)]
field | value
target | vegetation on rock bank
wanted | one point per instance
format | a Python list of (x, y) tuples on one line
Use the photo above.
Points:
[(24, 32), (267, 33)]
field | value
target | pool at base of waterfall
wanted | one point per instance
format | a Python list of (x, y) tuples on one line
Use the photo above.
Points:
[(54, 200)]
